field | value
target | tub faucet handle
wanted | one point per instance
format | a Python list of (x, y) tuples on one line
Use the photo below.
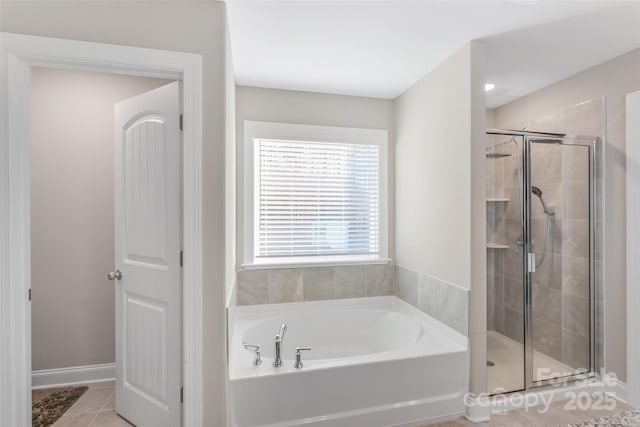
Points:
[(256, 347), (298, 363)]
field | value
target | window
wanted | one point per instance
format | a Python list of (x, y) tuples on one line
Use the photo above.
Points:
[(314, 194)]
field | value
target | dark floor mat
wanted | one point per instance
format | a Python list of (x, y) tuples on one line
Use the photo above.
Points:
[(49, 404)]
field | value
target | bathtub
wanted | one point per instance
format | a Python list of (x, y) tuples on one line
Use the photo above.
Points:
[(374, 361)]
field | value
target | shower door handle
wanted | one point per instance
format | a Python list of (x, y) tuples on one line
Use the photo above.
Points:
[(531, 261)]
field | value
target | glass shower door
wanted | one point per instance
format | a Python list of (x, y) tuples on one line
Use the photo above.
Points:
[(506, 267), (559, 242)]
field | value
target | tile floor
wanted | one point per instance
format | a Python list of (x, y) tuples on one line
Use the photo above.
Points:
[(95, 408), (556, 415)]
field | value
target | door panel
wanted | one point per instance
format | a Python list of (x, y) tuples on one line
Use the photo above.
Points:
[(144, 362), (560, 218), (505, 284), (145, 234), (148, 245)]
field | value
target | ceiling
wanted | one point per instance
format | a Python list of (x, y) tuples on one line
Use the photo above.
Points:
[(381, 48)]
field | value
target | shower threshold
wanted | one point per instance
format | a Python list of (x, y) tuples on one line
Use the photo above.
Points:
[(507, 374)]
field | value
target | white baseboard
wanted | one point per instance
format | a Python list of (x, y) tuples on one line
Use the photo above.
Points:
[(478, 409), (615, 388), (73, 375)]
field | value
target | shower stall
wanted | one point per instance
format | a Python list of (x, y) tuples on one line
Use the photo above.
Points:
[(543, 258)]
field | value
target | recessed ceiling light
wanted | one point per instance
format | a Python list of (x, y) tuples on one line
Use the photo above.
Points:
[(489, 86)]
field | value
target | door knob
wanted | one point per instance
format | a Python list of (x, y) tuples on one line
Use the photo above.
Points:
[(115, 275)]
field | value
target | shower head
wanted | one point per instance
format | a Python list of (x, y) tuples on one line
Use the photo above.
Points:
[(547, 209), (536, 190)]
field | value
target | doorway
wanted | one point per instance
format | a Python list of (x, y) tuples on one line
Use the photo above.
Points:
[(73, 199), (541, 223), (19, 53)]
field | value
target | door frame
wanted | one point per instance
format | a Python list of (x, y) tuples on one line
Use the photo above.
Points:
[(18, 53), (633, 247), (596, 241), (529, 264)]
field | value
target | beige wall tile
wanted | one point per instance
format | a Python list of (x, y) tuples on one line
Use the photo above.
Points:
[(513, 325), (407, 285), (513, 296), (379, 280), (575, 276), (252, 287), (547, 338), (575, 238), (318, 283), (284, 285), (350, 281), (547, 304), (575, 314), (575, 202), (431, 296)]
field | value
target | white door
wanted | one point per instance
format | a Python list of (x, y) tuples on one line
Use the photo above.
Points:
[(148, 230)]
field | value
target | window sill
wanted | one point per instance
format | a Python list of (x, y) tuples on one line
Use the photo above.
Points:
[(306, 264)]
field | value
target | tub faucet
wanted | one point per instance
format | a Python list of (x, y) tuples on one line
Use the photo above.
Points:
[(277, 361)]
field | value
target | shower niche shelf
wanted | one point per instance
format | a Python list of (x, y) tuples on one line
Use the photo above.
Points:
[(497, 246), (497, 199)]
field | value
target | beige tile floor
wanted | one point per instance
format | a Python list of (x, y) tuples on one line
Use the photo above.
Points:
[(95, 408), (556, 415), (508, 358)]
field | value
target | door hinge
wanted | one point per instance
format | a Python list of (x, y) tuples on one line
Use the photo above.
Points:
[(29, 294), (181, 394), (181, 258), (181, 122)]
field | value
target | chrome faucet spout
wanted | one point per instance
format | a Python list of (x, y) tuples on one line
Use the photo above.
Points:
[(277, 360), (283, 329)]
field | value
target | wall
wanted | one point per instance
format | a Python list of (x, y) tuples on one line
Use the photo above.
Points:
[(440, 191), (612, 79), (433, 145), (72, 202), (184, 26), (297, 284), (230, 170)]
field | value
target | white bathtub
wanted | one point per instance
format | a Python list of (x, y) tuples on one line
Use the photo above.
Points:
[(373, 362)]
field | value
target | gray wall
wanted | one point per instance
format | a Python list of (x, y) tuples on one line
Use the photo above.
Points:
[(298, 284), (184, 26), (72, 230), (230, 171), (440, 191), (612, 79), (287, 106), (433, 184)]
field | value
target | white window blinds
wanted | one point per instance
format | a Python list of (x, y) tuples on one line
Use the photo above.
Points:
[(316, 199)]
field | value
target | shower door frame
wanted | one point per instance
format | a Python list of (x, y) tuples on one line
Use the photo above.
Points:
[(592, 143)]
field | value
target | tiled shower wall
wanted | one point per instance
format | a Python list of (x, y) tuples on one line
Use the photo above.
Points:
[(270, 286), (441, 300), (561, 283)]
